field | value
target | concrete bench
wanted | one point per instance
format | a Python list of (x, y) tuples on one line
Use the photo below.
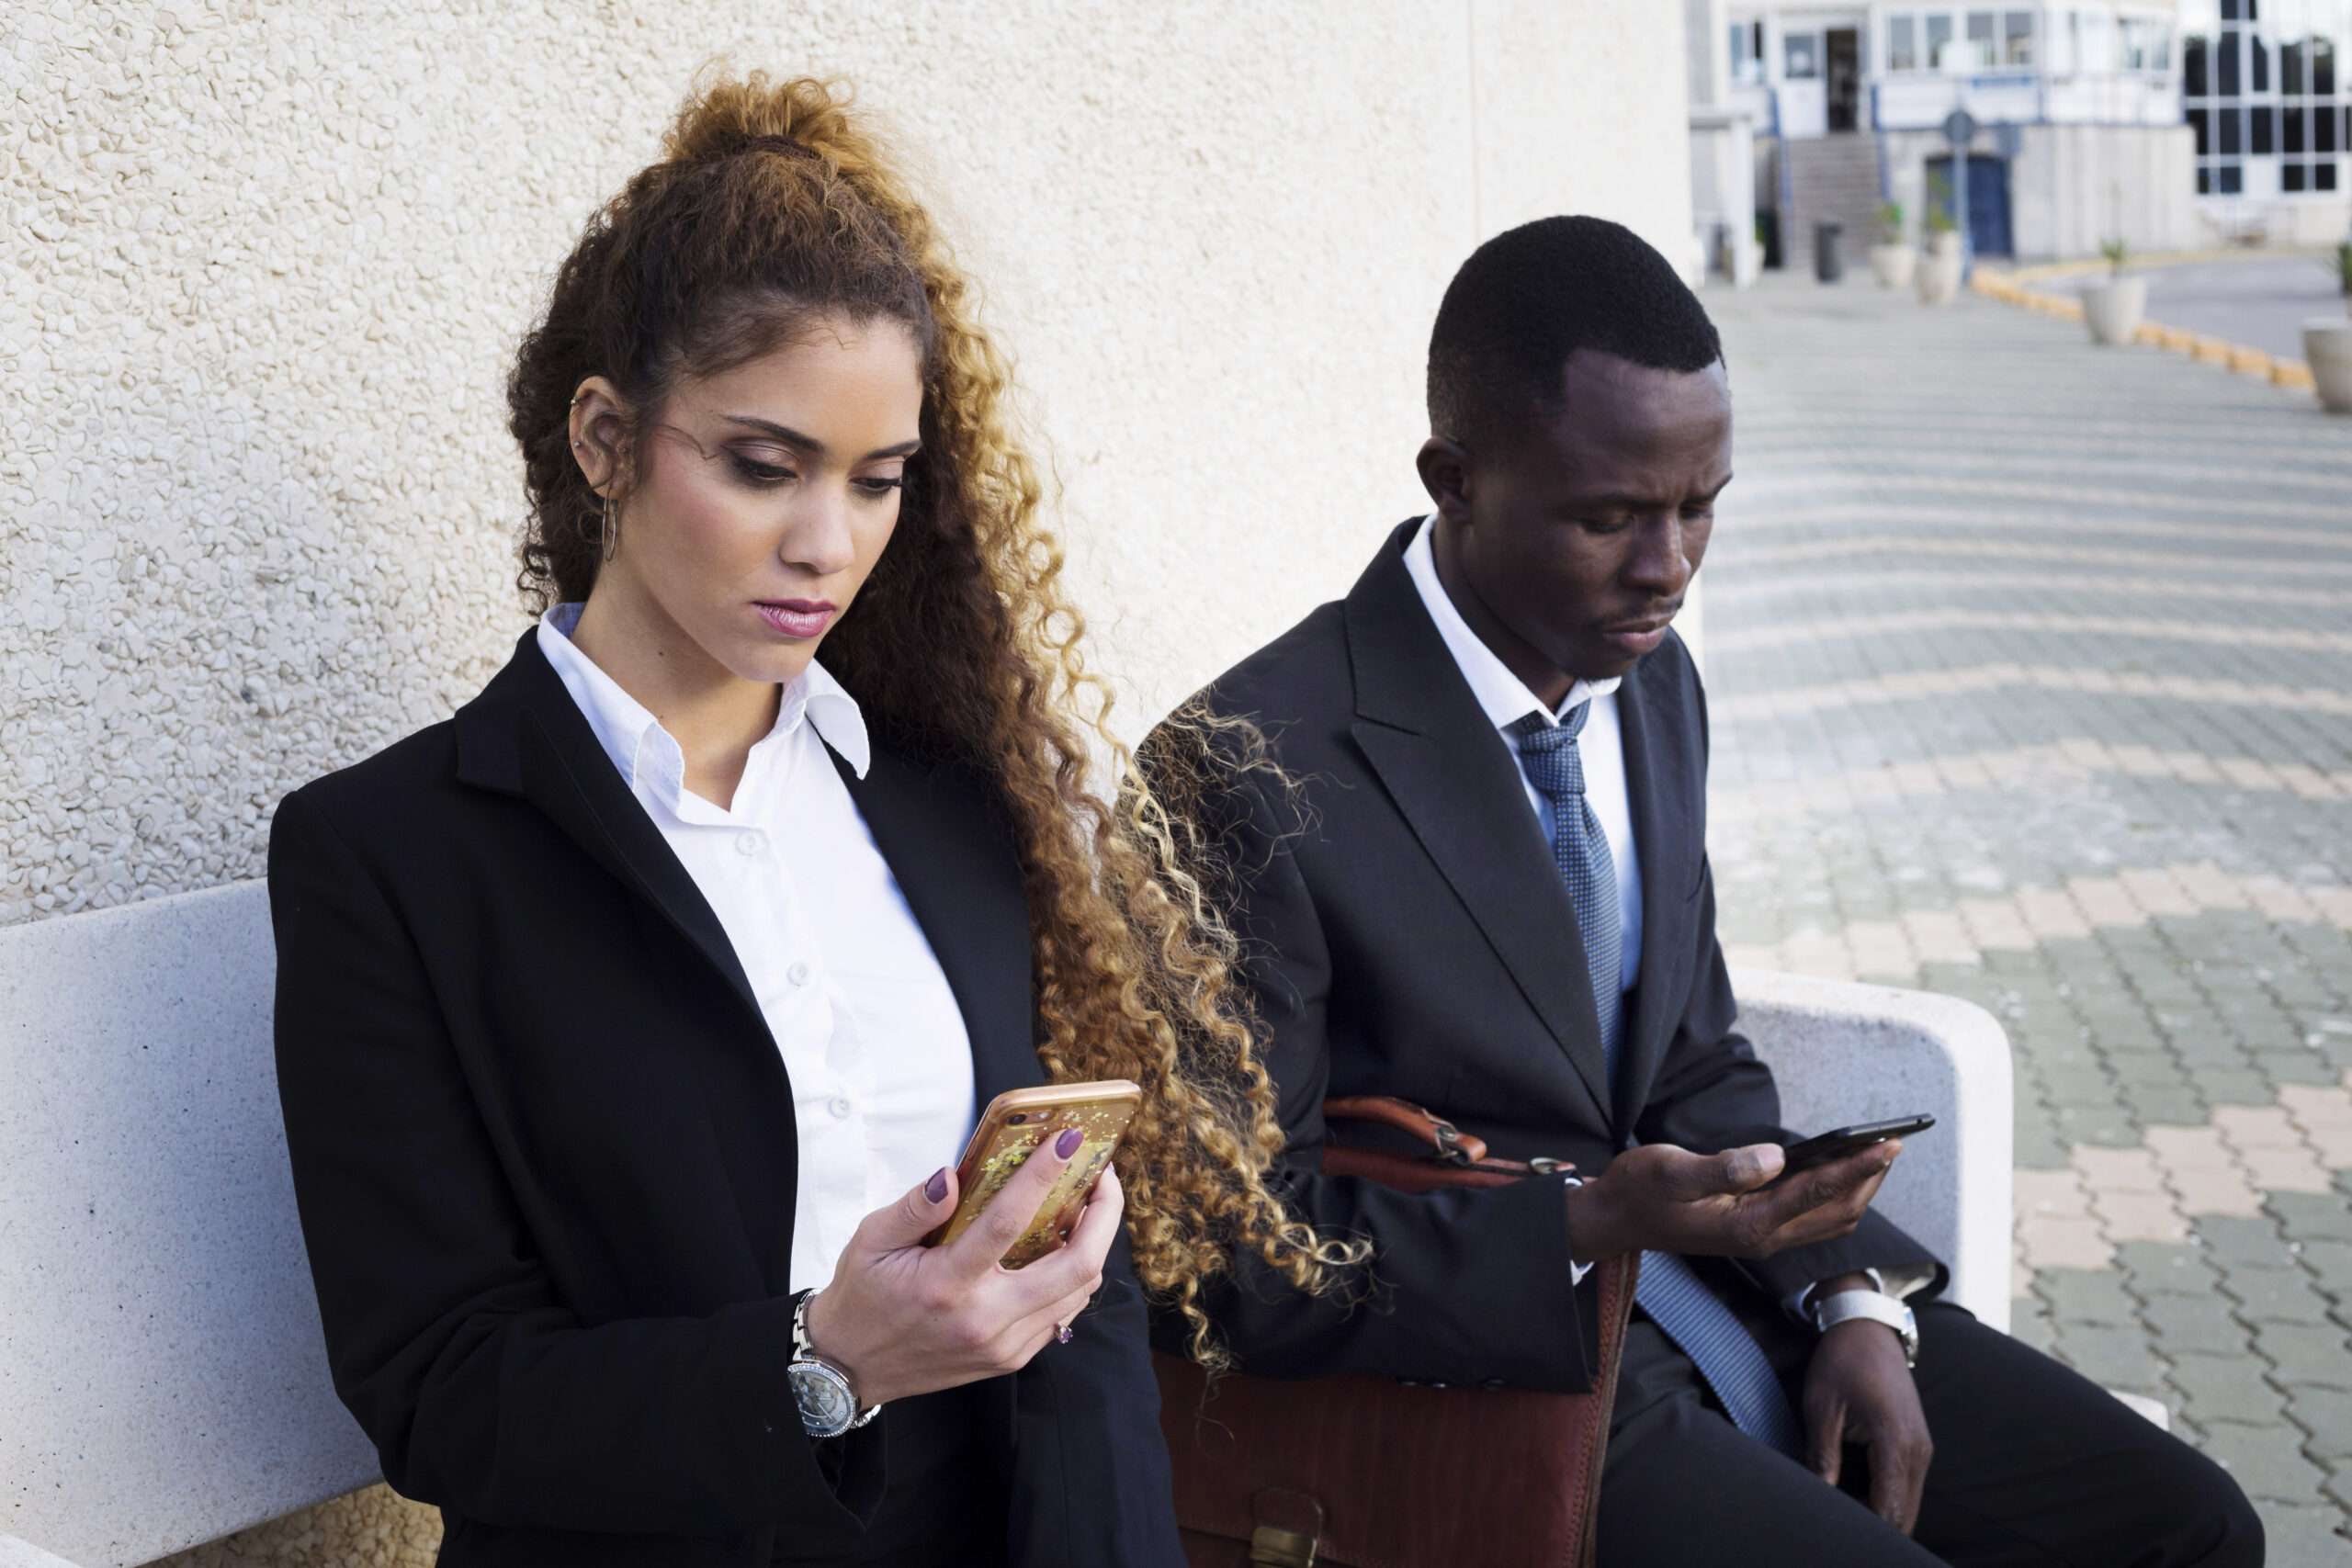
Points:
[(163, 1381)]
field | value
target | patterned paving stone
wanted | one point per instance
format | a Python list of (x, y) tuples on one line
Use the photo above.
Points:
[(2276, 1295), (2318, 1355), (2268, 1461), (2299, 1537), (2327, 1415), (2032, 683), (2226, 1387), (2080, 1296), (2204, 1323)]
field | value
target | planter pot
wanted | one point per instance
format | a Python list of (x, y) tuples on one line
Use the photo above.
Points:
[(1940, 272), (1892, 265), (2113, 309), (2327, 349)]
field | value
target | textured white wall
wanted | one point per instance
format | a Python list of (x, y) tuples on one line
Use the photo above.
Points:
[(261, 269)]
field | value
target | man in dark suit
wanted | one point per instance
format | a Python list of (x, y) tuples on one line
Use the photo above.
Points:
[(1484, 888)]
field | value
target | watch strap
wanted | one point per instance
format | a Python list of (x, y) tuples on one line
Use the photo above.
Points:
[(1875, 1307)]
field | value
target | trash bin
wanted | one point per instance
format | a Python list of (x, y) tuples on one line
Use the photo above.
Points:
[(1826, 266)]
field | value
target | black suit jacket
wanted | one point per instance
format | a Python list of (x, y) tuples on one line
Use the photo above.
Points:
[(1406, 933), (544, 1152)]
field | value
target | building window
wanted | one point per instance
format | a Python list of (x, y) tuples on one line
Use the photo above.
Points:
[(1902, 43), (1939, 42), (2016, 40), (1980, 53), (1747, 52), (2291, 123)]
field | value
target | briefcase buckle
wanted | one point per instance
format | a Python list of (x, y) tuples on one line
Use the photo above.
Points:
[(1272, 1547)]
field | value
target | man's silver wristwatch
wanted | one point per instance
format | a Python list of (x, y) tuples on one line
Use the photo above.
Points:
[(1828, 1311), (828, 1406)]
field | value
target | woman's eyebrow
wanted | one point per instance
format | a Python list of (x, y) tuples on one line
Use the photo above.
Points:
[(813, 447)]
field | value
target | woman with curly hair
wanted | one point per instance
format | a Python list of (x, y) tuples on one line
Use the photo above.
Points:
[(627, 1019)]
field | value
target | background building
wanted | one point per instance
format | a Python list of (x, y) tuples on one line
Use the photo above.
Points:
[(2266, 89), (266, 266), (2080, 130), (1723, 152)]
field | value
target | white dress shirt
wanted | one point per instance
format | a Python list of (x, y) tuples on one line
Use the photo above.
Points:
[(872, 1039), (1505, 700)]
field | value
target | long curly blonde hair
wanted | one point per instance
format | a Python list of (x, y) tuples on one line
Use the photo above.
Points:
[(772, 203)]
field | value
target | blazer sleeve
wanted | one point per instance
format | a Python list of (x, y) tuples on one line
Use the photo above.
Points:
[(1711, 1094), (1466, 1286), (1087, 1415), (446, 1338)]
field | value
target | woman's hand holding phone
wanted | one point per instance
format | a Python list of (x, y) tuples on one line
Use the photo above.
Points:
[(902, 1318), (1659, 1198)]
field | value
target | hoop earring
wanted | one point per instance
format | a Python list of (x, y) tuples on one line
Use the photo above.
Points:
[(612, 537)]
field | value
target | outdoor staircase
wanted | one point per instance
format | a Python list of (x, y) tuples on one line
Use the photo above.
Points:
[(1832, 178)]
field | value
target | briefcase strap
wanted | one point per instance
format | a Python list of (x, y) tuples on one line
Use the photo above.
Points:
[(1447, 1144)]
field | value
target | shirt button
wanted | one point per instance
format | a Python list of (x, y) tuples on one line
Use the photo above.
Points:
[(841, 1107), (750, 844), (797, 975)]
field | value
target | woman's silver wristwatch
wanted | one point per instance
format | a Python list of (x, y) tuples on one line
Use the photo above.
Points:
[(828, 1406)]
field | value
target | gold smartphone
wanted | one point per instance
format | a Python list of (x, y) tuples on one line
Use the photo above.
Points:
[(1012, 1128)]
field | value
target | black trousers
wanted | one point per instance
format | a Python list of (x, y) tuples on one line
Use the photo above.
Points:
[(2033, 1464)]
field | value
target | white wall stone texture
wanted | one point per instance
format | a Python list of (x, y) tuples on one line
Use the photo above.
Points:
[(262, 269)]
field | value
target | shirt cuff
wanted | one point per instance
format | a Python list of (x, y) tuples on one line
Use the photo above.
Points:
[(1577, 1271)]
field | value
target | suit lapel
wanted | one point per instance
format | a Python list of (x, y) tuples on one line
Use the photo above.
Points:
[(524, 735), (1660, 769), (957, 866), (1455, 782)]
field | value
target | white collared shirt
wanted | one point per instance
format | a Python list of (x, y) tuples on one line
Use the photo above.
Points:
[(1505, 700), (872, 1038)]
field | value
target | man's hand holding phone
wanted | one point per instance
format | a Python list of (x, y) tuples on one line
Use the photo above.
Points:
[(902, 1318), (1658, 1198)]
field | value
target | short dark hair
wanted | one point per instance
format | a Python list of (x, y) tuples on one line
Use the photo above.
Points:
[(1530, 297)]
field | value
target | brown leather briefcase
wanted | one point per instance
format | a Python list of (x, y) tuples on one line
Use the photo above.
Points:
[(1371, 1472)]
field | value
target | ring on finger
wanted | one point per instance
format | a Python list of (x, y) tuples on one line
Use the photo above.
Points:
[(1062, 1334)]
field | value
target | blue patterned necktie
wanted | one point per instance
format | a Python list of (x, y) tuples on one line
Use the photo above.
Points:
[(1669, 1289)]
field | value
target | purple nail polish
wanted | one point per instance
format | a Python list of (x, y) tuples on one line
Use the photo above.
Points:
[(936, 1187), (1067, 1144)]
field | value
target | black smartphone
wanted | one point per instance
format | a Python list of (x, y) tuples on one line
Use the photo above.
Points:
[(1830, 1148)]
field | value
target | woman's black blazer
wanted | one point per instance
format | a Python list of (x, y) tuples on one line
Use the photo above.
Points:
[(544, 1154)]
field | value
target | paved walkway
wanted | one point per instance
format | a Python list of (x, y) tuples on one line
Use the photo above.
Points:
[(2262, 301), (2031, 668)]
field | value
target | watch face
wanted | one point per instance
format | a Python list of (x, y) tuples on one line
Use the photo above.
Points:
[(823, 1395)]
